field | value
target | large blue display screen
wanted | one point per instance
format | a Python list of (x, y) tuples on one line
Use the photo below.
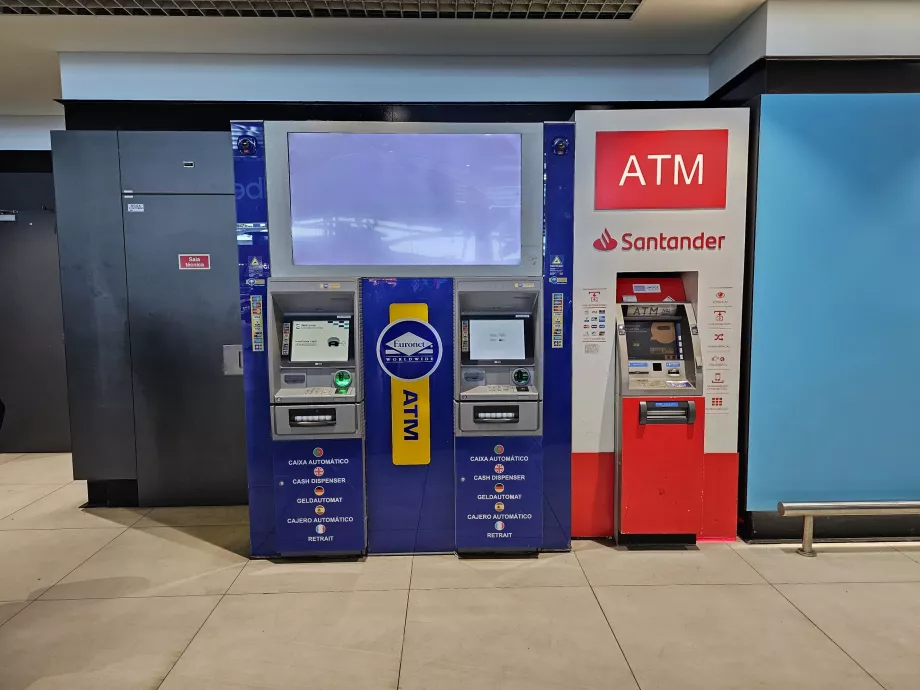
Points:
[(375, 199)]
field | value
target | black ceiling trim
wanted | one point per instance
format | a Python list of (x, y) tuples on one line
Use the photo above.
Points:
[(821, 75), (216, 115), (25, 161)]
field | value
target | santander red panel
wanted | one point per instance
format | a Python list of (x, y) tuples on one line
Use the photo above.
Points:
[(593, 477), (720, 496), (661, 473), (673, 169)]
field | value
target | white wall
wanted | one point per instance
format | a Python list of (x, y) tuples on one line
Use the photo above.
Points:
[(28, 133), (819, 28), (149, 76), (744, 46), (843, 28)]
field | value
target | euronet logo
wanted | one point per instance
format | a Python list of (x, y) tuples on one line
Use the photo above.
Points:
[(408, 345), (660, 242)]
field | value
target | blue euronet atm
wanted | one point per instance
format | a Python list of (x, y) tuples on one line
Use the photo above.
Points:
[(406, 306)]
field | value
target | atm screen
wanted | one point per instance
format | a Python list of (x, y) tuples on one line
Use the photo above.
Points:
[(320, 340), (498, 339), (654, 340), (405, 199)]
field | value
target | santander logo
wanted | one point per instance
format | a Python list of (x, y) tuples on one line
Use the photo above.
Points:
[(605, 242), (660, 242)]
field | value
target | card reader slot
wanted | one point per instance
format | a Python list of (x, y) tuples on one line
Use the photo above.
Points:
[(311, 417), (496, 414), (667, 412)]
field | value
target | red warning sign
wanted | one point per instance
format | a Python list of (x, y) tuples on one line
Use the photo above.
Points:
[(194, 262)]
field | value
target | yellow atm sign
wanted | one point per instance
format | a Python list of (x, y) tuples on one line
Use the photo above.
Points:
[(409, 350)]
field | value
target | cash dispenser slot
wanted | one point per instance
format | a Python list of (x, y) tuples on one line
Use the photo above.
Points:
[(496, 414), (311, 417), (667, 412)]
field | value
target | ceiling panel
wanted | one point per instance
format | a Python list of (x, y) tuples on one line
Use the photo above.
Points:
[(397, 9)]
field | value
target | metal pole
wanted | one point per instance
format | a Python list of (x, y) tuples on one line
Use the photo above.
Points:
[(808, 537)]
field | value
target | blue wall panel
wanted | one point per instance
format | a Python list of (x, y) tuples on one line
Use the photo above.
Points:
[(559, 226), (836, 316), (410, 508), (254, 265)]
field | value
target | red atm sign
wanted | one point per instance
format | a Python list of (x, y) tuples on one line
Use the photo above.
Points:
[(674, 169), (194, 262)]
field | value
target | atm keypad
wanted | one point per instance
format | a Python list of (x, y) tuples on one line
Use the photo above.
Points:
[(319, 390)]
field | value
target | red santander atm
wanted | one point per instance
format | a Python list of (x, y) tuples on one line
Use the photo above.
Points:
[(660, 411), (658, 281)]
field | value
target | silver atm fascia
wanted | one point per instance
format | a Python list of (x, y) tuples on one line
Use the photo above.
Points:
[(305, 401), (498, 397), (657, 376)]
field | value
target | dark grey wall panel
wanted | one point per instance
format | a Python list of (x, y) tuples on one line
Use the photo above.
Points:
[(176, 162), (191, 447), (95, 304), (27, 191), (33, 380)]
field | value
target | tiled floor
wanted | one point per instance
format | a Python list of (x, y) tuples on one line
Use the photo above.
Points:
[(167, 598)]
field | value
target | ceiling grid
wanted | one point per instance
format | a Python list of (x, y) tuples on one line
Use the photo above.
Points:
[(423, 9)]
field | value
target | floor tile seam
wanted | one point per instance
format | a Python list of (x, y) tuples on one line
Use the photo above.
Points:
[(203, 623), (184, 527), (756, 584), (849, 582), (823, 632), (616, 639), (193, 637), (16, 456), (32, 601), (43, 496), (904, 553), (682, 584), (402, 646), (126, 597), (435, 589), (399, 589), (28, 603), (581, 567), (120, 529), (134, 525), (139, 517), (316, 591), (83, 562), (753, 567), (746, 562)]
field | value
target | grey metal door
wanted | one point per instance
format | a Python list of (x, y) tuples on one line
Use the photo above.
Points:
[(176, 162), (188, 413)]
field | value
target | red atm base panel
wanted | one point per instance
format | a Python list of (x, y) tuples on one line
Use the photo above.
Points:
[(594, 488), (661, 474), (720, 497)]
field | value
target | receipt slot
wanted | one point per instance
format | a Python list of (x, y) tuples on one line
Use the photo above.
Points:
[(317, 416), (498, 415), (660, 410)]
